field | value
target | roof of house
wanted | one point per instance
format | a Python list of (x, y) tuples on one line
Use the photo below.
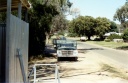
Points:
[(3, 4)]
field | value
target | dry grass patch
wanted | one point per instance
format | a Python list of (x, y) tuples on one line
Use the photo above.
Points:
[(116, 72)]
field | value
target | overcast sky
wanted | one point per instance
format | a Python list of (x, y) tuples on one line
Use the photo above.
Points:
[(97, 8)]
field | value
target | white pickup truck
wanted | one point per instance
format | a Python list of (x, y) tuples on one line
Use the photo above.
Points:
[(67, 48), (82, 38)]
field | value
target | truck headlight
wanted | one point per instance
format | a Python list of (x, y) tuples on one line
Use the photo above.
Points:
[(54, 46), (59, 53), (75, 53)]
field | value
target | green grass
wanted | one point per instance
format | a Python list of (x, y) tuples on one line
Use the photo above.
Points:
[(117, 45)]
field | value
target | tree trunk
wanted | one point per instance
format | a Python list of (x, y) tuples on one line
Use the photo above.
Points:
[(101, 38), (89, 38), (47, 38)]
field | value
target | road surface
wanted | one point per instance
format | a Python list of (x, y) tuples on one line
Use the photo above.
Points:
[(118, 56)]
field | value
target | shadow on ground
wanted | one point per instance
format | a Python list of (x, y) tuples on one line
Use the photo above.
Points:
[(49, 51), (85, 50)]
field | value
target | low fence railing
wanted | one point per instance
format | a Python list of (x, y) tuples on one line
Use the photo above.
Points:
[(34, 70)]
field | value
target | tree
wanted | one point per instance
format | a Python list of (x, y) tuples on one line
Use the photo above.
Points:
[(122, 15), (83, 26), (75, 12), (59, 24), (89, 26), (40, 19), (102, 26), (125, 35), (41, 22), (76, 26), (113, 27)]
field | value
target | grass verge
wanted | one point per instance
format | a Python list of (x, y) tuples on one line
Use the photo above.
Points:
[(115, 72), (115, 45)]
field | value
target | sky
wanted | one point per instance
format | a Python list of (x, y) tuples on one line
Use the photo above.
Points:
[(97, 8)]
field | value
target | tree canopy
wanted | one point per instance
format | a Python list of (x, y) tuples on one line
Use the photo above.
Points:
[(88, 26), (102, 26), (113, 27), (42, 22), (121, 15)]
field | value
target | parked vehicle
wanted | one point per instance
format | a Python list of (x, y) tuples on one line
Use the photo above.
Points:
[(62, 38), (54, 41), (67, 48), (82, 38)]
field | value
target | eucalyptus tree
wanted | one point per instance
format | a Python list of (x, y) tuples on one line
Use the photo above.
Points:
[(122, 15), (71, 27), (59, 24), (75, 12), (102, 25), (41, 16), (59, 21)]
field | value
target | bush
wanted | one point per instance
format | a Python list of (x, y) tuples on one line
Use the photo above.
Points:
[(61, 33), (97, 39), (125, 35), (72, 35), (107, 40), (114, 36)]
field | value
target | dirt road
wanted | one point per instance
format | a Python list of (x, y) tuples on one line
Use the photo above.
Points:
[(90, 68)]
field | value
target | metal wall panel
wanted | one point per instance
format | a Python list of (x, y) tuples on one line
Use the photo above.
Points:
[(18, 39), (2, 52)]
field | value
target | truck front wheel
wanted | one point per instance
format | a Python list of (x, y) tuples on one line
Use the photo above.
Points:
[(75, 58)]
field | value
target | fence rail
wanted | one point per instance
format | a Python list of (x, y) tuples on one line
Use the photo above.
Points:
[(57, 78)]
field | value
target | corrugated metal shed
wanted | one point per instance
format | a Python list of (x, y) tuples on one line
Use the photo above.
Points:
[(3, 4)]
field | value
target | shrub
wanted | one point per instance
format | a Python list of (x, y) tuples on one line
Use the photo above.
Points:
[(97, 39), (107, 40), (72, 35), (61, 33), (125, 34), (114, 36)]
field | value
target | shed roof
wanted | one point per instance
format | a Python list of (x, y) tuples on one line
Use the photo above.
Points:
[(3, 4)]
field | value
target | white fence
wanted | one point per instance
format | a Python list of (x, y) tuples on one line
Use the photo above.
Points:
[(57, 78)]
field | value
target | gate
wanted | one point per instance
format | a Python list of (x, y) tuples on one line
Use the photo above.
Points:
[(39, 69)]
